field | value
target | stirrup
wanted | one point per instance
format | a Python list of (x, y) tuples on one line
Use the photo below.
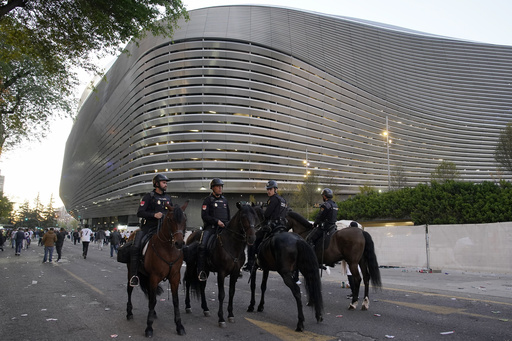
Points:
[(134, 281), (202, 276)]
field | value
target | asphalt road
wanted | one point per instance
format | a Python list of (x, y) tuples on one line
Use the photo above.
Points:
[(85, 299)]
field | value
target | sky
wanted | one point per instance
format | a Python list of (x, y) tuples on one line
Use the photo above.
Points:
[(34, 169)]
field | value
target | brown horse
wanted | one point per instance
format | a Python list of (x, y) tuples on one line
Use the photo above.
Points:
[(225, 257), (163, 260), (351, 244)]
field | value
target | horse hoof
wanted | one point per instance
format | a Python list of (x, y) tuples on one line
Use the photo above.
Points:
[(149, 333), (129, 317), (319, 318), (231, 319), (188, 310), (222, 324), (206, 313), (364, 308), (181, 331), (260, 309), (300, 328), (352, 307)]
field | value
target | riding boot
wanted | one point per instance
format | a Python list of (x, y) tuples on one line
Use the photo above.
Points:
[(134, 265), (201, 257)]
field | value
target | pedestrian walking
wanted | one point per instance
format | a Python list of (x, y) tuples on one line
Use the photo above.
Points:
[(85, 235), (19, 237), (115, 240), (76, 237), (61, 236), (49, 240), (100, 239)]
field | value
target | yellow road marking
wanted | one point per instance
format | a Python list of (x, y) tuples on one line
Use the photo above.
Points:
[(439, 309), (287, 334), (84, 282)]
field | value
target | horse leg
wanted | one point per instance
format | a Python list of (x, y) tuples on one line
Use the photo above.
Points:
[(151, 313), (188, 308), (220, 297), (204, 305), (129, 306), (252, 281), (263, 289), (290, 283), (366, 281), (175, 281), (232, 286), (357, 283)]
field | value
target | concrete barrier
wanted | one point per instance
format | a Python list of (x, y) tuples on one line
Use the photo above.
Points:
[(468, 247)]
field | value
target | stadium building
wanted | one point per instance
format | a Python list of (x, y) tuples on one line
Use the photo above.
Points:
[(253, 93)]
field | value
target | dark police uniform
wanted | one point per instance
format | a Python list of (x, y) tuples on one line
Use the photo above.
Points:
[(275, 214), (150, 204), (325, 220), (214, 209)]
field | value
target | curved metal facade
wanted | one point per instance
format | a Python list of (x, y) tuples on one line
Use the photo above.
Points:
[(248, 93)]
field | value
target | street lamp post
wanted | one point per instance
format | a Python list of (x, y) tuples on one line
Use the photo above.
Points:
[(388, 142)]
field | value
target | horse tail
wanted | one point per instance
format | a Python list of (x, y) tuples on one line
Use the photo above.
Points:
[(308, 266), (190, 277), (371, 260), (144, 285)]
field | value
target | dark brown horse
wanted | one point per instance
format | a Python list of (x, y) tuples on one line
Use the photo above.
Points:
[(286, 253), (351, 244), (225, 257), (163, 260)]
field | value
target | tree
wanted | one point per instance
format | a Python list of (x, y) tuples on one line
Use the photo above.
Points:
[(48, 215), (445, 171), (503, 151), (44, 42), (304, 199), (6, 209), (398, 178)]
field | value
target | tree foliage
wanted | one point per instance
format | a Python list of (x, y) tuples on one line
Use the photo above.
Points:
[(445, 171), (36, 216), (307, 195), (503, 151), (44, 42), (452, 202), (6, 209)]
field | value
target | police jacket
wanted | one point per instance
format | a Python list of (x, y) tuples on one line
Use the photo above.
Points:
[(328, 214), (276, 208), (150, 204), (215, 209)]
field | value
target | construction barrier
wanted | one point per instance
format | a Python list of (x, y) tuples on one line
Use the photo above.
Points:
[(469, 247)]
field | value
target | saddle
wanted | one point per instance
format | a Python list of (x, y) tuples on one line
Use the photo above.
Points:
[(327, 238)]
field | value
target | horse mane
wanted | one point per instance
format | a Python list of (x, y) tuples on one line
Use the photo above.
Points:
[(300, 219), (178, 214)]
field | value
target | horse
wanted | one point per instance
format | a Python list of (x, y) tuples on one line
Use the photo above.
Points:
[(163, 260), (286, 252), (226, 255), (351, 244)]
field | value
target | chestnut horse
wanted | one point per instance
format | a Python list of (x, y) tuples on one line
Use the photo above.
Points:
[(163, 260), (226, 255), (351, 244)]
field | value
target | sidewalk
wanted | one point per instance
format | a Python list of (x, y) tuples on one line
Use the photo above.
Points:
[(457, 283)]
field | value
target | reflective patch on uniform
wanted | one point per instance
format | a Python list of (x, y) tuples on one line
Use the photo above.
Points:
[(142, 203), (159, 203), (204, 207)]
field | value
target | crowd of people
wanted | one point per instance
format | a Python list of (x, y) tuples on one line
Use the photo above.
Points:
[(52, 239)]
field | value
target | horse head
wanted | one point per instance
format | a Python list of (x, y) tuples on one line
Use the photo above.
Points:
[(249, 220), (175, 224)]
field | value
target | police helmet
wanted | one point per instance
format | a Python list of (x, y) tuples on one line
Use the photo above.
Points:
[(327, 192), (158, 178), (216, 182), (271, 184)]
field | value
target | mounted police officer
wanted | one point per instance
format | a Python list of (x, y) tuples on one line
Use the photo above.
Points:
[(151, 209), (275, 217), (215, 215), (326, 219)]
